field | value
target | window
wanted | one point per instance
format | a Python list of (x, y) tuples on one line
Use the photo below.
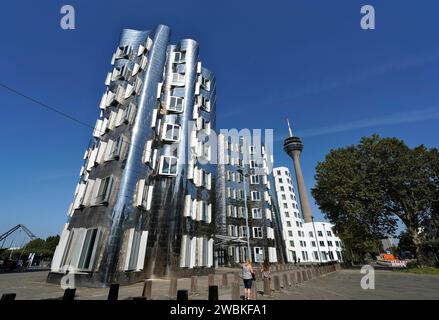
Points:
[(311, 235), (179, 56), (297, 223), (104, 190), (284, 197), (316, 255), (322, 243), (259, 254), (313, 243), (178, 77), (290, 233), (88, 249), (291, 243), (320, 233), (205, 83), (254, 179), (175, 104), (171, 132), (253, 164), (285, 206), (143, 195), (288, 223), (329, 233), (329, 243), (287, 215), (205, 179), (331, 255), (255, 195), (280, 180), (257, 232), (168, 165), (203, 103), (282, 189), (241, 212), (256, 213), (243, 231)]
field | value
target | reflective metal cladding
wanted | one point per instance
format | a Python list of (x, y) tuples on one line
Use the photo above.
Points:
[(144, 203)]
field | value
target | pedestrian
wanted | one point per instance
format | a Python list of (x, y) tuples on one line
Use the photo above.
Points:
[(266, 271), (248, 276)]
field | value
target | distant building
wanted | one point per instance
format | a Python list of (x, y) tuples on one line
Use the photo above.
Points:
[(303, 240)]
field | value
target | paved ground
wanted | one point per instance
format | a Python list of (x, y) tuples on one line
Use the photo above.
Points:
[(344, 284)]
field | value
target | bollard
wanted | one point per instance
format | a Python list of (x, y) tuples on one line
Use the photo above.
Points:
[(173, 287), (225, 280), (211, 280), (213, 292), (254, 292), (182, 295), (69, 294), (194, 284), (304, 275), (267, 287), (237, 278), (235, 291), (147, 289), (299, 276), (293, 278), (114, 292), (286, 282), (276, 283), (8, 297)]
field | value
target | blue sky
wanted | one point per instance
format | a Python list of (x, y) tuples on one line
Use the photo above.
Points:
[(306, 60)]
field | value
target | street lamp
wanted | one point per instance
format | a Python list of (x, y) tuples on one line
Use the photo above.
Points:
[(241, 171)]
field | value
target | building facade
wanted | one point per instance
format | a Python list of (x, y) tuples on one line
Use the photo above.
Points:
[(247, 212), (303, 240), (145, 200)]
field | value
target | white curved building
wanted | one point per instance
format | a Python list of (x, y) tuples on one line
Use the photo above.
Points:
[(303, 240)]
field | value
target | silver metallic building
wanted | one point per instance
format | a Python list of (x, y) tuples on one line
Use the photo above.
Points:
[(248, 221), (145, 200)]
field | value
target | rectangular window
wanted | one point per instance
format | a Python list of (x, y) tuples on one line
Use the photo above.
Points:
[(291, 243), (257, 232), (254, 179), (175, 104), (329, 243), (179, 56), (253, 164), (329, 233), (168, 165), (320, 233), (171, 132), (256, 213), (104, 190), (311, 235), (256, 196), (322, 243), (88, 249), (259, 254)]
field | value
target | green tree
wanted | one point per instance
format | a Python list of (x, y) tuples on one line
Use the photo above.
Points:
[(371, 186)]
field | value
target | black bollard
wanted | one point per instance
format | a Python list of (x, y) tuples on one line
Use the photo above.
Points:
[(213, 292), (114, 292), (182, 295), (69, 294), (8, 297)]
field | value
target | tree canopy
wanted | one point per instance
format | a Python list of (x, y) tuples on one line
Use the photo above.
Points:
[(366, 189)]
